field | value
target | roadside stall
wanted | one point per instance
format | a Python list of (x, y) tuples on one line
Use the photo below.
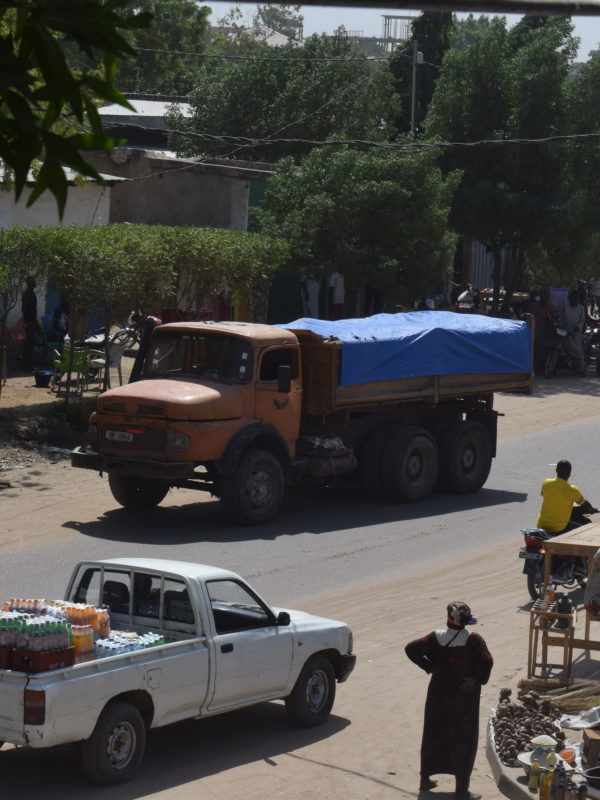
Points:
[(553, 709)]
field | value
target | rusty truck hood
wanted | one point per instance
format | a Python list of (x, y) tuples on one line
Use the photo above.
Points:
[(175, 399)]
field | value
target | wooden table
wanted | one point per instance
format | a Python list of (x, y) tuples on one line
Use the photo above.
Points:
[(583, 541)]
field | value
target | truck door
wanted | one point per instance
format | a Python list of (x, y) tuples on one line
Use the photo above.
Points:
[(279, 409), (253, 655)]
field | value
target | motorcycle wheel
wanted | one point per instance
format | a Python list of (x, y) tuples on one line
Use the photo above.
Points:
[(535, 581), (551, 363)]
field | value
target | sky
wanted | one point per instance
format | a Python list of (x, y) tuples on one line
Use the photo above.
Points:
[(325, 19)]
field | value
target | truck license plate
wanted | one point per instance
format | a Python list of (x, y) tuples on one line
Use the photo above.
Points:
[(119, 436), (534, 556)]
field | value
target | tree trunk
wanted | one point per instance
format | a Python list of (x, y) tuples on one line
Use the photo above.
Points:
[(496, 276)]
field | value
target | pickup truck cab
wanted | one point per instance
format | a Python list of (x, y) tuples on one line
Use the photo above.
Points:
[(225, 648)]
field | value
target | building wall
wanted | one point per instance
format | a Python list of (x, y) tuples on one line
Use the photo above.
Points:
[(182, 198), (88, 204)]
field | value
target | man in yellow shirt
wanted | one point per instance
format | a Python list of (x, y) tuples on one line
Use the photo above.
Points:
[(559, 497)]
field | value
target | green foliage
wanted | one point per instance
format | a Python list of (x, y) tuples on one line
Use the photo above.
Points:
[(510, 196), (176, 25), (378, 218), (285, 19), (113, 268), (292, 99), (433, 32), (40, 94), (469, 30)]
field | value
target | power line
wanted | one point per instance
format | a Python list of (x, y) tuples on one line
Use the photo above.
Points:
[(228, 57), (249, 142)]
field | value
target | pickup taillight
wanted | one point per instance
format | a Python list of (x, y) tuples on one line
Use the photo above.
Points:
[(34, 711)]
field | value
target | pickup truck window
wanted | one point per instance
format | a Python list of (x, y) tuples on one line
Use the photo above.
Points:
[(235, 608), (163, 601), (210, 355)]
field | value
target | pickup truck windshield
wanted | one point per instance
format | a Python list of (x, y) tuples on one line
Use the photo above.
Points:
[(201, 354)]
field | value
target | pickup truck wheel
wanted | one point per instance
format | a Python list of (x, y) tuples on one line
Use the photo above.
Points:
[(115, 750), (312, 697), (465, 457), (409, 464), (136, 494), (370, 460), (254, 493)]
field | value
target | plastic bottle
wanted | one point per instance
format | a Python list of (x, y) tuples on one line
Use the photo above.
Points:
[(534, 777), (550, 593), (545, 785)]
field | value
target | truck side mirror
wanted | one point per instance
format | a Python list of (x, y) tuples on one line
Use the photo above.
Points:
[(283, 618), (284, 378)]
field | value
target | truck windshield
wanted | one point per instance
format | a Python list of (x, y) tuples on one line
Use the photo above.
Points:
[(191, 354)]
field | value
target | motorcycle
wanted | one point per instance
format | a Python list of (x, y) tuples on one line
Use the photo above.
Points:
[(569, 572), (557, 356)]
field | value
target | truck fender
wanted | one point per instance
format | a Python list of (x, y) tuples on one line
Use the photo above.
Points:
[(263, 436)]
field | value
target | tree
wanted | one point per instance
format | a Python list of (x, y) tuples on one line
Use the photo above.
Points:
[(510, 196), (285, 19), (178, 25), (469, 30), (377, 217), (300, 98), (433, 32), (47, 110)]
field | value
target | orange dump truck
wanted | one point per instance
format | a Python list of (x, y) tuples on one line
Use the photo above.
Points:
[(401, 403)]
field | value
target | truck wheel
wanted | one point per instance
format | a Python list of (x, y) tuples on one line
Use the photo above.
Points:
[(409, 464), (136, 494), (370, 460), (465, 457), (254, 493), (312, 697), (115, 750)]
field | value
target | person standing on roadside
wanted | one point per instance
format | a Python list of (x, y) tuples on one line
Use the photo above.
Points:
[(30, 318), (572, 317), (459, 664)]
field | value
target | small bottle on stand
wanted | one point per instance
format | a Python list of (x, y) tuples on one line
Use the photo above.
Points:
[(533, 783)]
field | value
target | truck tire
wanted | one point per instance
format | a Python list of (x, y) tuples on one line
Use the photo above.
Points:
[(311, 700), (136, 494), (465, 457), (370, 460), (115, 750), (409, 464), (254, 493)]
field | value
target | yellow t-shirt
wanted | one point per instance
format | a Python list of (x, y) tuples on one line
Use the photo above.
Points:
[(559, 496)]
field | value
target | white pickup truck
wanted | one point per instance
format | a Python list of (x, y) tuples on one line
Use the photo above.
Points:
[(225, 648)]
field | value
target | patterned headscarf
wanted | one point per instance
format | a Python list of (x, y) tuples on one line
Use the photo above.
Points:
[(459, 615)]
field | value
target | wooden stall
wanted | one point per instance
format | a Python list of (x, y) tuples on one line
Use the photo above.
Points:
[(583, 541)]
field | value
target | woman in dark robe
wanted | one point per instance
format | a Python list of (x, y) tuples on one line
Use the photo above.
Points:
[(459, 664)]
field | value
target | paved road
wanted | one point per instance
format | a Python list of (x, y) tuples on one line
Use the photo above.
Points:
[(325, 538), (330, 548)]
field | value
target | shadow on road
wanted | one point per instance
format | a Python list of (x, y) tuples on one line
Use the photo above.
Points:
[(175, 755), (564, 383), (317, 510)]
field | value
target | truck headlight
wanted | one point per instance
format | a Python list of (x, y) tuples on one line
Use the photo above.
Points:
[(179, 442)]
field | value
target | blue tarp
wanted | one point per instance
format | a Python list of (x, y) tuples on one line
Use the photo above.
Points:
[(390, 346)]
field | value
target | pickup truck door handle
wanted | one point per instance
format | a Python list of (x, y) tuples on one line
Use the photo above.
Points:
[(227, 648)]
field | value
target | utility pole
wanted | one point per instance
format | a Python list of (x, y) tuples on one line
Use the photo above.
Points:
[(417, 59)]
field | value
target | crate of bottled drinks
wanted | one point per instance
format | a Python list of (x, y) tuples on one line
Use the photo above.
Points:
[(42, 635)]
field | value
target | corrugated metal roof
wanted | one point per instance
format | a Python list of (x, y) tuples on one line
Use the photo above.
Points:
[(145, 108)]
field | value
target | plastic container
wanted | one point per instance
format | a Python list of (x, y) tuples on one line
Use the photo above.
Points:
[(26, 661), (42, 378)]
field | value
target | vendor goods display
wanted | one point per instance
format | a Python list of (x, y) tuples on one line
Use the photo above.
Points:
[(38, 635), (516, 724)]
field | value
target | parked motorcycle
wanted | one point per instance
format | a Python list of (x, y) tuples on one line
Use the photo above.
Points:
[(567, 571), (557, 356)]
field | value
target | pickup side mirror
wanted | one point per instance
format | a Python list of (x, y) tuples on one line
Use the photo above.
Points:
[(283, 618), (284, 378)]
